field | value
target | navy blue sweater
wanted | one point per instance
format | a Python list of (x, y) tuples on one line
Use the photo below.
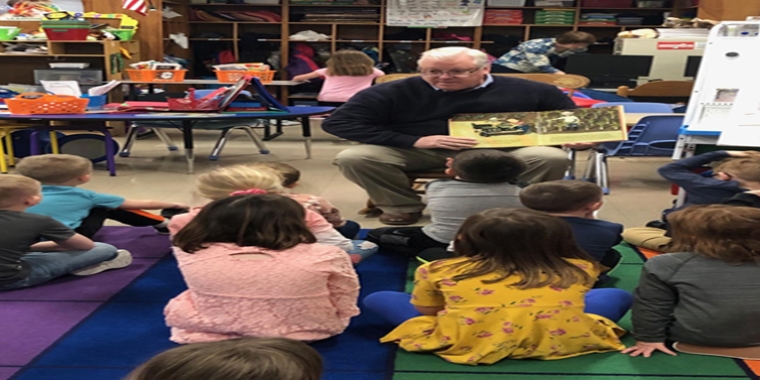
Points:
[(700, 190), (398, 113)]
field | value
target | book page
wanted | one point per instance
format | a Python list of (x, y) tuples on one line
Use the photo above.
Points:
[(518, 129), (496, 130), (582, 125)]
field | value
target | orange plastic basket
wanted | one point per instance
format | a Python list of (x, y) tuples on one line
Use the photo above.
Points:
[(232, 76), (46, 104), (156, 75)]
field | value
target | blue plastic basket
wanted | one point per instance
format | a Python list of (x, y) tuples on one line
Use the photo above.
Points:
[(96, 102)]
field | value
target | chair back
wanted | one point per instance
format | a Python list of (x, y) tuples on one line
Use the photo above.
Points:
[(635, 107), (652, 136)]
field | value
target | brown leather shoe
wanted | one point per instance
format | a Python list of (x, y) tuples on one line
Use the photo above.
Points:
[(401, 219)]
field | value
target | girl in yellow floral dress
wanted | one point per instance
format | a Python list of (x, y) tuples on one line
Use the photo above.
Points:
[(520, 288)]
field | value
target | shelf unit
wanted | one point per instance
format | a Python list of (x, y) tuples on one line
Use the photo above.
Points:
[(229, 34)]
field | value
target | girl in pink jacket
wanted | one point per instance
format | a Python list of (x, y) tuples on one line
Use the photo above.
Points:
[(253, 269)]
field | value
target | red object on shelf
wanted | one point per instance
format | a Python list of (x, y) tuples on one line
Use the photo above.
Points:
[(607, 3), (63, 34)]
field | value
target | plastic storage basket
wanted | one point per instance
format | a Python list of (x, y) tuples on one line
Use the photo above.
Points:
[(232, 76), (7, 34), (39, 103), (156, 75)]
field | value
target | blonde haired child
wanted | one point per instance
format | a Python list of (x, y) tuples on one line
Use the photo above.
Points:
[(290, 177), (252, 269), (520, 289), (222, 182), (347, 72), (235, 359), (25, 260), (84, 210)]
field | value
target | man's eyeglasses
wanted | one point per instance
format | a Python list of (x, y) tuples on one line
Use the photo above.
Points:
[(457, 73)]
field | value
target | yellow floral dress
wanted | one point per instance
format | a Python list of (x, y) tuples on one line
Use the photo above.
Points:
[(484, 323)]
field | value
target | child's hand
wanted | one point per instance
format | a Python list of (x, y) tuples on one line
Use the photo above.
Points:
[(647, 348)]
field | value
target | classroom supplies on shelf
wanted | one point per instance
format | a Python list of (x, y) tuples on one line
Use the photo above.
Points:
[(156, 75)]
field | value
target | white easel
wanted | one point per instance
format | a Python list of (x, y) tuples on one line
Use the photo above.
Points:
[(730, 63)]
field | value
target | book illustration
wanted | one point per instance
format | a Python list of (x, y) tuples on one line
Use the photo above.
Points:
[(514, 129)]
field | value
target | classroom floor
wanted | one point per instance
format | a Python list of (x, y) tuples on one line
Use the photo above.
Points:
[(638, 193)]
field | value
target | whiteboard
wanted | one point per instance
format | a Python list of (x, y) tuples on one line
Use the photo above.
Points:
[(727, 84)]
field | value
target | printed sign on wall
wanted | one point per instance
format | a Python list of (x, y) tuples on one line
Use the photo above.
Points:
[(434, 13)]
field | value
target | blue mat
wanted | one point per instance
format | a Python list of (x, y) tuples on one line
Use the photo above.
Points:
[(130, 329)]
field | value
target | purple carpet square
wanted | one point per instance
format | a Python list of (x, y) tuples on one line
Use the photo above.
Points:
[(37, 325), (141, 241), (99, 287), (7, 372)]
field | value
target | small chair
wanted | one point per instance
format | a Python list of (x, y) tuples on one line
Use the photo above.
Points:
[(110, 146), (669, 91), (652, 136)]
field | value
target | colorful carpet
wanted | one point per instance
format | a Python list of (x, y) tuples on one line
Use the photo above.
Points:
[(611, 366), (101, 327)]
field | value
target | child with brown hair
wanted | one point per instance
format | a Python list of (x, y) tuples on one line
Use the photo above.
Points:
[(235, 359), (735, 175), (252, 269), (25, 260), (520, 288), (85, 210), (290, 177), (348, 72), (706, 293), (221, 182), (577, 202)]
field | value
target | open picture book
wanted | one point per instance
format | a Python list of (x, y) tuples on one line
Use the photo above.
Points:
[(518, 129)]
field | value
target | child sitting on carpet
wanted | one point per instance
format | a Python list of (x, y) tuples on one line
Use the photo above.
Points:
[(706, 294), (576, 202), (290, 178), (738, 172), (83, 210), (236, 359), (520, 289), (348, 72), (222, 182), (252, 269), (483, 179), (24, 260)]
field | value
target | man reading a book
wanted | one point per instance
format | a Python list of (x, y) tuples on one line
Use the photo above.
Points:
[(403, 126)]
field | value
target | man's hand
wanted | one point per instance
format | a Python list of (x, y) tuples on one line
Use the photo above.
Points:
[(737, 153), (647, 348), (445, 142), (559, 72)]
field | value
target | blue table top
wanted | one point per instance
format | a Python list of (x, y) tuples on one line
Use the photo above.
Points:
[(297, 111)]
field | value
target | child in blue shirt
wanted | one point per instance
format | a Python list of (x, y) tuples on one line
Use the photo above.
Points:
[(83, 210), (576, 202)]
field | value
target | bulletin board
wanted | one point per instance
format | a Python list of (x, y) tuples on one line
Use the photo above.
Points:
[(435, 13)]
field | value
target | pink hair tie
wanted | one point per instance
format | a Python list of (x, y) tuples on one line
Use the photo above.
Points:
[(253, 191)]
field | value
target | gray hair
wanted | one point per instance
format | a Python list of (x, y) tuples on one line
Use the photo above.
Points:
[(480, 58)]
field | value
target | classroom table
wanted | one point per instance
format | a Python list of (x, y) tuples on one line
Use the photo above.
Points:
[(185, 122), (132, 94), (632, 119)]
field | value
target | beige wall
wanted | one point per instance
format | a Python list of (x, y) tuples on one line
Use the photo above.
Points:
[(722, 10)]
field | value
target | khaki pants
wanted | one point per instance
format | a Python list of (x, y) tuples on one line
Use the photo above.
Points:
[(647, 237), (381, 170)]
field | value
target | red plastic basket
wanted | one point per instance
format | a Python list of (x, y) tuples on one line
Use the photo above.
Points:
[(64, 34), (156, 75), (232, 76), (607, 3)]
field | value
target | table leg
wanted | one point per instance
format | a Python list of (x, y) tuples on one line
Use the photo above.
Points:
[(54, 143), (268, 136), (9, 147), (306, 132), (3, 163), (187, 134)]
